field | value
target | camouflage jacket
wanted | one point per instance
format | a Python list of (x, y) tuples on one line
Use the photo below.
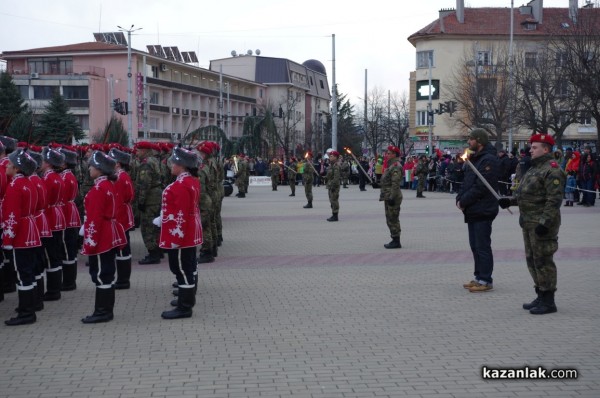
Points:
[(291, 174), (204, 178), (148, 190), (422, 169), (275, 169), (391, 180), (540, 193), (333, 176)]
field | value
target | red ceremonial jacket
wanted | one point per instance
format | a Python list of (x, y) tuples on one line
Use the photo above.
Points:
[(54, 214), (40, 216), (3, 182), (18, 208), (69, 193), (180, 221), (125, 193), (101, 230)]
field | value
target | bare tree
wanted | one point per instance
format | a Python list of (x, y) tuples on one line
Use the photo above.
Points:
[(545, 101), (290, 113), (398, 122), (377, 120), (481, 88), (576, 45)]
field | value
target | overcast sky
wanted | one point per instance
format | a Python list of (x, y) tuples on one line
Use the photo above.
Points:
[(368, 34)]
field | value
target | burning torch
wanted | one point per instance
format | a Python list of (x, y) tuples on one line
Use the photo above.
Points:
[(310, 163), (465, 157)]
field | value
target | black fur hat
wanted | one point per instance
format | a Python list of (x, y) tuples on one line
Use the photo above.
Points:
[(37, 157), (10, 144), (119, 156), (184, 158), (53, 156), (102, 162), (23, 161), (70, 156)]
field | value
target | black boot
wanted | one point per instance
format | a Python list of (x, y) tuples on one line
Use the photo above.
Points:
[(308, 205), (185, 303), (39, 305), (546, 304), (26, 313), (1, 290), (103, 307), (153, 257), (394, 244), (293, 194), (205, 257), (242, 195), (215, 251), (220, 240), (9, 277), (123, 274), (69, 277), (334, 217), (534, 303), (54, 283)]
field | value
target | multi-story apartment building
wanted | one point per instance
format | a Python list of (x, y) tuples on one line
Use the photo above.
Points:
[(170, 95), (297, 94), (478, 33)]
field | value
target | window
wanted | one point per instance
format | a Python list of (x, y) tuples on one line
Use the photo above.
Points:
[(530, 60), (322, 85), (155, 97), (422, 118), (423, 58), (24, 91), (561, 59), (561, 89), (154, 71), (484, 58), (51, 66), (311, 81), (486, 87), (75, 92), (585, 119), (84, 121), (44, 92), (260, 93), (153, 123)]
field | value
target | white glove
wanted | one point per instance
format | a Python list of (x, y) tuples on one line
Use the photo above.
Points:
[(7, 247), (81, 231), (157, 221)]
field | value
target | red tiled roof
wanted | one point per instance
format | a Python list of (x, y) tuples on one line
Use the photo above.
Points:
[(494, 21), (78, 47)]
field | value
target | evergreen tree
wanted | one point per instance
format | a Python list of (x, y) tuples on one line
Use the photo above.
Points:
[(114, 131), (22, 127), (57, 124), (11, 103)]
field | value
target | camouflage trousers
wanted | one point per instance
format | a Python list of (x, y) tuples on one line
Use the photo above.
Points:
[(207, 218), (421, 184), (308, 184), (334, 196), (392, 218), (218, 204), (150, 232), (292, 182), (274, 181), (539, 254)]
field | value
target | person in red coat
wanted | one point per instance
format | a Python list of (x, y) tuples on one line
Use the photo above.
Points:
[(20, 235), (125, 196), (181, 229), (72, 220), (102, 234), (8, 275), (54, 246)]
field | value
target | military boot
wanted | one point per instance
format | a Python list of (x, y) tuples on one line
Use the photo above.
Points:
[(546, 304), (153, 257), (26, 313), (185, 303), (394, 244), (334, 217), (69, 277), (123, 274), (308, 205), (534, 303), (205, 257), (9, 276), (242, 195), (54, 283), (103, 306)]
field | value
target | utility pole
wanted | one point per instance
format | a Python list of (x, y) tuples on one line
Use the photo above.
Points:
[(334, 101), (129, 86), (430, 106)]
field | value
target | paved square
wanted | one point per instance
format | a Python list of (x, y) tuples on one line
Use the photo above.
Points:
[(297, 306)]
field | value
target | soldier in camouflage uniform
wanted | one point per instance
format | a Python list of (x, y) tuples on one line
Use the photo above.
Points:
[(307, 179), (291, 175), (220, 189), (240, 176), (148, 193), (333, 184), (206, 204), (391, 196), (275, 170), (539, 197), (85, 181), (421, 172), (344, 172)]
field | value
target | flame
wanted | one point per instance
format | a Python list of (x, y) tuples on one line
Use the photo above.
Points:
[(465, 155), (306, 155), (348, 150)]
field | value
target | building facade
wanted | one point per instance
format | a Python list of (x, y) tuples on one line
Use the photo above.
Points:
[(479, 36)]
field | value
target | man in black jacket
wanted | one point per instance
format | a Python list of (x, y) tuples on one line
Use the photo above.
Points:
[(480, 208)]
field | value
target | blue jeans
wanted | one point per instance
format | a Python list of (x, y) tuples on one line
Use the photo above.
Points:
[(480, 240)]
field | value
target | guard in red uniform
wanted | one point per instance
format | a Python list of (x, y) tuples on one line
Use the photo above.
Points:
[(20, 236), (72, 220), (43, 228), (125, 196), (8, 276), (181, 228), (54, 246), (102, 235)]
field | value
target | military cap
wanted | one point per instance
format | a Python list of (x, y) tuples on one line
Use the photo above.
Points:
[(185, 158), (334, 153), (23, 161), (101, 161), (53, 156), (393, 148), (145, 145), (119, 156), (543, 138), (206, 147), (480, 135)]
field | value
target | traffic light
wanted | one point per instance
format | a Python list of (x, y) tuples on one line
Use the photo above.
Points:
[(120, 107), (124, 108), (427, 149)]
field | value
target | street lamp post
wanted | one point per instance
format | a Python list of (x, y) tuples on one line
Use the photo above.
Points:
[(129, 87)]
